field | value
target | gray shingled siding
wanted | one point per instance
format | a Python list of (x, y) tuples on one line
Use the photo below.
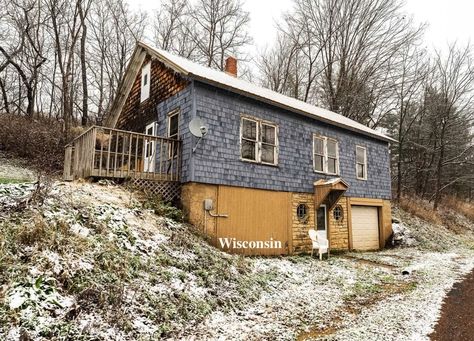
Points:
[(217, 159), (183, 102)]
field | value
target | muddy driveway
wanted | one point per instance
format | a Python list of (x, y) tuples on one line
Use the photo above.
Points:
[(457, 313)]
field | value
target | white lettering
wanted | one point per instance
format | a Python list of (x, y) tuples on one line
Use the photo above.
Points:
[(233, 243), (226, 242)]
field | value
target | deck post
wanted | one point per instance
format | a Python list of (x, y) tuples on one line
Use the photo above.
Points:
[(67, 174)]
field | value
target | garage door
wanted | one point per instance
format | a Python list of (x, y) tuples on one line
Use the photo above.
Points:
[(365, 228)]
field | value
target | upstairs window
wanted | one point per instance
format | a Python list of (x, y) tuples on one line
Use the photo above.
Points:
[(318, 146), (332, 156), (145, 82), (361, 163), (269, 145), (325, 155), (258, 141), (173, 123)]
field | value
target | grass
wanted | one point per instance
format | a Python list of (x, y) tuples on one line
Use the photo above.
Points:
[(420, 209), (13, 181), (122, 280), (459, 205)]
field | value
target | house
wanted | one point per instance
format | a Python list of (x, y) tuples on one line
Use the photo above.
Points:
[(269, 168)]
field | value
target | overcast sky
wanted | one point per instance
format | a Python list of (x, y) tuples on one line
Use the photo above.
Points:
[(448, 20)]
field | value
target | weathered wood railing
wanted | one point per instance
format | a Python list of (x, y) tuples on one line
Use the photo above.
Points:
[(112, 153)]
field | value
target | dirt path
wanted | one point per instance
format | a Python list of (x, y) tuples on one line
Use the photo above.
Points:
[(456, 322)]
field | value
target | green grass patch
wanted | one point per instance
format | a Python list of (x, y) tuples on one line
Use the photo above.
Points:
[(14, 181)]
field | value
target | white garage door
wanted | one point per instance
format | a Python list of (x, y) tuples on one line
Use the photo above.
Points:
[(365, 228)]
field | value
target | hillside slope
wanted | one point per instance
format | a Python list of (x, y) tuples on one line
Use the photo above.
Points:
[(89, 261), (83, 260)]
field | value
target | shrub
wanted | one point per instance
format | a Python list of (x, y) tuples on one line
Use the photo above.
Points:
[(41, 140), (163, 208), (421, 209)]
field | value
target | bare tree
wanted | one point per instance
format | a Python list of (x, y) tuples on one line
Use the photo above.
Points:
[(83, 7), (24, 50), (348, 51), (114, 32), (219, 28), (66, 30), (456, 85), (170, 28), (411, 78)]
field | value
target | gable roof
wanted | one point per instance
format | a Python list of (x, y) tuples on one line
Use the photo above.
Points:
[(223, 80)]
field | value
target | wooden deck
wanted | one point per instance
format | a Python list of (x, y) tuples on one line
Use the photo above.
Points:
[(112, 153)]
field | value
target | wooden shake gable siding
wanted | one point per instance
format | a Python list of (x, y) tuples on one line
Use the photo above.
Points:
[(164, 83)]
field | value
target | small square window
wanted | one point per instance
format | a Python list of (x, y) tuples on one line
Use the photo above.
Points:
[(338, 213), (302, 212)]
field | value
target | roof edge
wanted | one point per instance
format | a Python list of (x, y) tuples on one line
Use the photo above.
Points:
[(374, 135), (156, 53)]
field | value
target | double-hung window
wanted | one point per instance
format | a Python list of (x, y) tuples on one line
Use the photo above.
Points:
[(332, 161), (258, 141), (318, 147), (173, 124), (361, 163), (325, 155)]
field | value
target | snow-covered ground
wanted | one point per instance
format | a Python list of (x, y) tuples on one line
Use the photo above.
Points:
[(88, 261), (14, 170), (346, 298)]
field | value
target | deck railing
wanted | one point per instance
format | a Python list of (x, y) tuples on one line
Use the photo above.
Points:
[(113, 153)]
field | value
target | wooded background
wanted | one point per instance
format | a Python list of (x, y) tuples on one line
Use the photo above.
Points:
[(61, 62)]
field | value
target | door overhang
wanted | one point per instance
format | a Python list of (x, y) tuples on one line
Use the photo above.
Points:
[(329, 191)]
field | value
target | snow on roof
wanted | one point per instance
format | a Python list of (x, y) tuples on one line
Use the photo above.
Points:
[(223, 80), (332, 181)]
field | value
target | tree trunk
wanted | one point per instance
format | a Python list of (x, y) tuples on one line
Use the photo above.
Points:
[(439, 168), (85, 95), (5, 98)]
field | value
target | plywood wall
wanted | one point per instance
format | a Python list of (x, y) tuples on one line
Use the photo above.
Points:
[(262, 215), (192, 197), (254, 215)]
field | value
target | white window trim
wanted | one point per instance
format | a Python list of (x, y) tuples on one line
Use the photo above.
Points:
[(275, 146), (257, 150), (365, 163), (145, 89), (258, 143), (168, 129), (314, 153), (172, 114), (325, 155)]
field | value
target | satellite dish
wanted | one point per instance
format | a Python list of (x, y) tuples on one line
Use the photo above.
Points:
[(197, 127)]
